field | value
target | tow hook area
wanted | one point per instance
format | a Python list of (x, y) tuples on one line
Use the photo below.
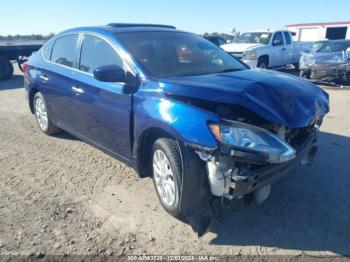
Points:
[(221, 172), (258, 196), (309, 158)]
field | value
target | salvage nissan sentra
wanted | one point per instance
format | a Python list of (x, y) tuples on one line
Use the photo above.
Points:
[(177, 108)]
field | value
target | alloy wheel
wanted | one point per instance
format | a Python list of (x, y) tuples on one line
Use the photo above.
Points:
[(164, 178)]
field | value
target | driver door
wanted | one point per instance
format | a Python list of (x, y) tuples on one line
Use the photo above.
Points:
[(278, 54)]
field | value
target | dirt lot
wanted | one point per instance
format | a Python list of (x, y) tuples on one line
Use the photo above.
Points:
[(59, 195)]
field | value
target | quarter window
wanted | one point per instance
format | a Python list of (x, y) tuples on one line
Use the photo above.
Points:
[(287, 37), (47, 49), (96, 52), (63, 51)]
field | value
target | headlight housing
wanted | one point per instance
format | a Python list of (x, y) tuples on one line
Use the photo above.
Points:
[(250, 55), (254, 140)]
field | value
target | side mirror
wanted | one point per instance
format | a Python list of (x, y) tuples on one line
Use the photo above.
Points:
[(277, 42), (110, 73)]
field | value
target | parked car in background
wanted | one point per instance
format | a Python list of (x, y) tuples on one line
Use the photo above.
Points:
[(317, 45), (177, 108), (330, 63), (15, 51), (267, 49), (216, 40)]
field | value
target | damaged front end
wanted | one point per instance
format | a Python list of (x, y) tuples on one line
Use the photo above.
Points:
[(258, 125), (253, 153), (333, 68)]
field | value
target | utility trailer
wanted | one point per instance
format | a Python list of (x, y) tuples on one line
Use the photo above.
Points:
[(15, 51)]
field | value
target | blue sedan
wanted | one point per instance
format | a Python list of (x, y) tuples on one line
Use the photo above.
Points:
[(176, 108)]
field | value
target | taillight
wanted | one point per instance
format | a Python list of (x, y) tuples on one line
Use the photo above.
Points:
[(25, 68)]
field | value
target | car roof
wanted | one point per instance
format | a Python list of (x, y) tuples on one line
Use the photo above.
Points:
[(115, 28), (212, 36)]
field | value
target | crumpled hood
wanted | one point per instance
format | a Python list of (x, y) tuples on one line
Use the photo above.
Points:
[(278, 97), (234, 47)]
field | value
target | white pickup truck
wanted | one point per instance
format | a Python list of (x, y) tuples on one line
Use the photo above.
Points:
[(267, 49)]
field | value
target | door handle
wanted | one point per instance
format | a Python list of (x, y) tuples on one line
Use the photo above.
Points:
[(77, 90), (44, 78)]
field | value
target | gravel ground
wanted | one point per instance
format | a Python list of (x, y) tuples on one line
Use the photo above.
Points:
[(59, 196)]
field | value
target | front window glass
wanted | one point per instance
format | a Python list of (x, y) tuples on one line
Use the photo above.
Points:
[(172, 54), (253, 38), (277, 39), (96, 52), (64, 50)]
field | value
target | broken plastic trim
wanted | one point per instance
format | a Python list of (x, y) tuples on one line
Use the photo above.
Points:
[(246, 140)]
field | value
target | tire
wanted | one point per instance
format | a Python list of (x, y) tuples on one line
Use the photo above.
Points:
[(296, 66), (6, 69), (21, 60), (304, 74), (42, 116), (170, 149), (263, 63)]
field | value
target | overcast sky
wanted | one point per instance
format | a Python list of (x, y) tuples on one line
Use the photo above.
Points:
[(199, 16)]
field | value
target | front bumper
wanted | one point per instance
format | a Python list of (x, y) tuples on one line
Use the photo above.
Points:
[(247, 181), (251, 63)]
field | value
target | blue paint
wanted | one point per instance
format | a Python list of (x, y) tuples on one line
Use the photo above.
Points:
[(114, 120)]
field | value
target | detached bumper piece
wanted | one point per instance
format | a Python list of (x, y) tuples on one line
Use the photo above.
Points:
[(248, 181)]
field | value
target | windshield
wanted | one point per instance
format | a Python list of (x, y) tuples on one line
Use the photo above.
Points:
[(334, 47), (316, 46), (172, 54), (253, 38)]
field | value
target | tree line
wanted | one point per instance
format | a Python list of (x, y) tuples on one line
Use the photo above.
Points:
[(37, 37)]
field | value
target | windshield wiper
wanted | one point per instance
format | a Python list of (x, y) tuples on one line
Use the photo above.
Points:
[(229, 70)]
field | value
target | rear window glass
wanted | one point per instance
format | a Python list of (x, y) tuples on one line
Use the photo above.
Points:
[(64, 50), (47, 49)]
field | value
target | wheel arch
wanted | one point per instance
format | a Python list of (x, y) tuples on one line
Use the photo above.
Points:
[(31, 95), (143, 148), (264, 57)]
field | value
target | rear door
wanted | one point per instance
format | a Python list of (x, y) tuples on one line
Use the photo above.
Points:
[(102, 109), (56, 79)]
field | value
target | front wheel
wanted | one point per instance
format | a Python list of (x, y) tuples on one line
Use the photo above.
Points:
[(262, 63), (296, 66), (42, 116), (167, 174)]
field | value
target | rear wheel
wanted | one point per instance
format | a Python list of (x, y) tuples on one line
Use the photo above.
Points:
[(6, 68), (42, 116)]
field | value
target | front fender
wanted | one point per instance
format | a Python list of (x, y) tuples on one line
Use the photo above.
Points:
[(184, 122)]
